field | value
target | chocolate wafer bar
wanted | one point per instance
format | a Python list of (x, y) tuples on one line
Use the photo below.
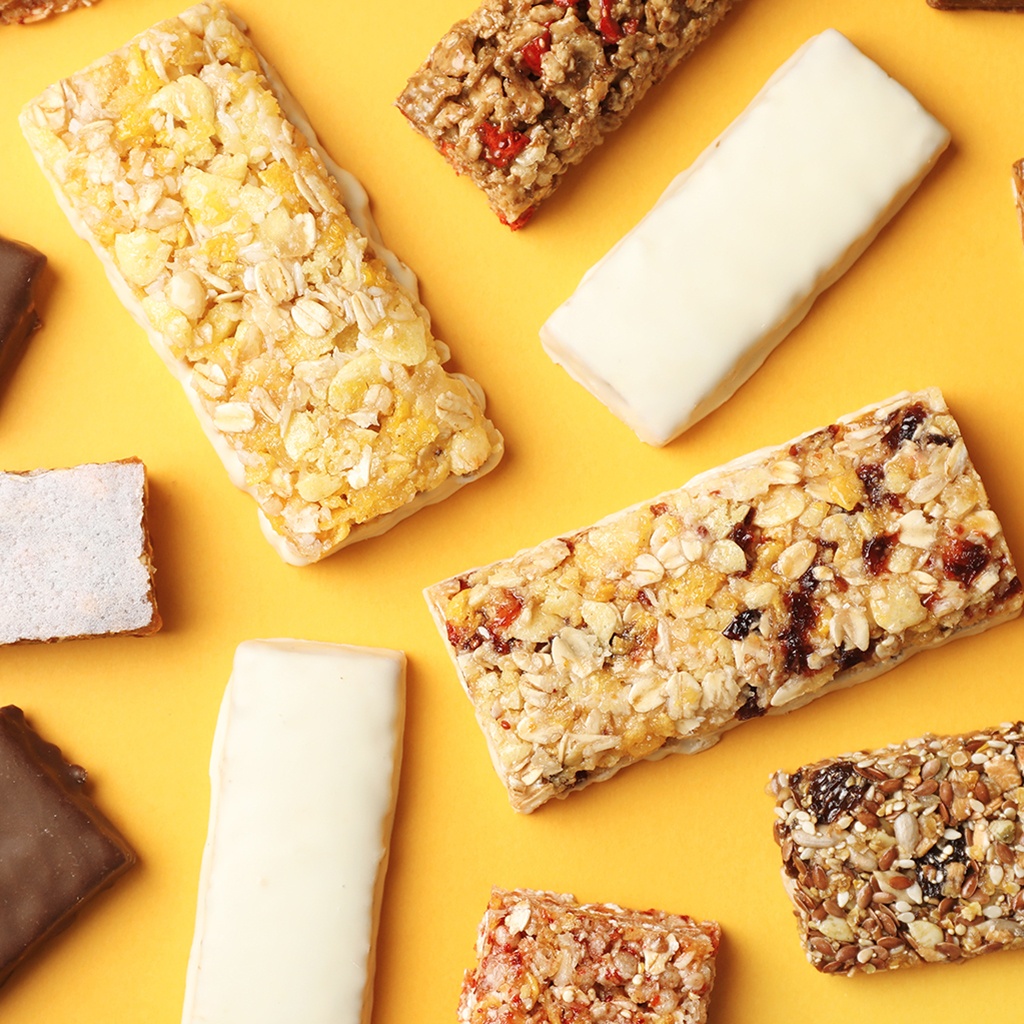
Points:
[(753, 589), (541, 957), (57, 850), (521, 90), (908, 854), (195, 177)]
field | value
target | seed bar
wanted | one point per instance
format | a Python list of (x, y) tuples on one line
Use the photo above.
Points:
[(909, 854), (522, 89), (57, 850), (541, 957), (184, 162), (75, 554), (690, 303), (303, 774), (753, 589)]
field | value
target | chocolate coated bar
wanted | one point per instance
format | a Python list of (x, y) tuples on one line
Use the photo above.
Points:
[(20, 267), (57, 850)]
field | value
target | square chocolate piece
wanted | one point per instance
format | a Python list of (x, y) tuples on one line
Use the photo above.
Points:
[(57, 850)]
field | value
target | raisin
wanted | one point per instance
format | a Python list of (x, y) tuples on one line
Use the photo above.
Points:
[(964, 560), (932, 866), (876, 552), (873, 479), (848, 657), (659, 509), (750, 708), (939, 439), (463, 639), (748, 537), (835, 789), (741, 626), (906, 427), (793, 638), (1013, 588)]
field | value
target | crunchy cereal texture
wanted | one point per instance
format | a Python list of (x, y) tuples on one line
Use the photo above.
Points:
[(522, 89), (909, 854), (752, 589), (21, 12), (313, 371), (543, 957)]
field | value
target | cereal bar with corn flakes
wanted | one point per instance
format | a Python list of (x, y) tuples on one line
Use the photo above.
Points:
[(906, 855), (541, 957), (521, 90), (198, 182), (753, 589)]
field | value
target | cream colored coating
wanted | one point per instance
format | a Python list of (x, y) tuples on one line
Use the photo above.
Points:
[(751, 590), (303, 773), (74, 553), (691, 302), (312, 369)]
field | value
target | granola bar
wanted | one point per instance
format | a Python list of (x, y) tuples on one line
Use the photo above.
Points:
[(541, 957), (753, 589), (909, 854), (976, 5), (186, 165), (75, 554), (689, 304), (22, 12), (303, 774), (522, 89)]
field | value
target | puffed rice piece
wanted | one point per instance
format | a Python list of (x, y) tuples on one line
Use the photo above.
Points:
[(753, 589)]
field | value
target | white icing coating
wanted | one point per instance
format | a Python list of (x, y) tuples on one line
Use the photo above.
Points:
[(73, 552), (303, 775), (690, 303)]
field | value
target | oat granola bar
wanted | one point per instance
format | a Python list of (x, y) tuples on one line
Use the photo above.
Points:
[(908, 854), (190, 170), (21, 12), (753, 589), (541, 957), (522, 89)]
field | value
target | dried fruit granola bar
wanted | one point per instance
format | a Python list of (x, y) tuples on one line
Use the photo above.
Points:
[(186, 165), (908, 854), (522, 89), (541, 957), (21, 12), (753, 589)]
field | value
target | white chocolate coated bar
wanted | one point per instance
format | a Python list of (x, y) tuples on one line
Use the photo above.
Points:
[(691, 302), (303, 777), (906, 855), (751, 590)]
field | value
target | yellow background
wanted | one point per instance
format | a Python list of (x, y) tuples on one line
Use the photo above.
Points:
[(937, 299)]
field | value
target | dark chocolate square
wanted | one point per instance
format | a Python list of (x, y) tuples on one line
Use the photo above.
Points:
[(20, 266)]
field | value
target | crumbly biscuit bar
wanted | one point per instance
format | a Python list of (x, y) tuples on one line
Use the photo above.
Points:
[(75, 554), (21, 12), (522, 89), (311, 368), (752, 589), (908, 854), (541, 957)]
